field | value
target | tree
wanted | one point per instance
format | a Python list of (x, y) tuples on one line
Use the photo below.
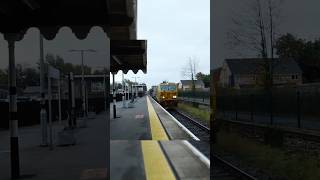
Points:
[(305, 53), (27, 76), (100, 72), (204, 77), (190, 71), (256, 29), (59, 63), (288, 46)]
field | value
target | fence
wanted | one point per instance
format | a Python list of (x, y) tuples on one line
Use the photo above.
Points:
[(194, 94), (280, 107), (29, 111)]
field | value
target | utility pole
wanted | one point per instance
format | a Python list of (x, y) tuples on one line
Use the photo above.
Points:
[(105, 92), (43, 113), (73, 102), (123, 92), (50, 111), (114, 97), (82, 79), (59, 96)]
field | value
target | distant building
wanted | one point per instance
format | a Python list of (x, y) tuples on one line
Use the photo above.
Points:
[(186, 85), (243, 73), (32, 92)]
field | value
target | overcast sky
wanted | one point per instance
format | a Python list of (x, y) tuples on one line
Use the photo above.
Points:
[(300, 18), (175, 30), (27, 50)]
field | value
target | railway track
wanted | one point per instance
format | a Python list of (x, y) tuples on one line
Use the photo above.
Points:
[(198, 129), (223, 170)]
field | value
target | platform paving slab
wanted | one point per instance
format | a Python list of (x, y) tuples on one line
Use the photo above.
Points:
[(85, 160), (172, 128), (134, 123), (136, 160)]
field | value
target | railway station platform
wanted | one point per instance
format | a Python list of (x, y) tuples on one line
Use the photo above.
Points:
[(146, 120), (161, 160), (86, 160)]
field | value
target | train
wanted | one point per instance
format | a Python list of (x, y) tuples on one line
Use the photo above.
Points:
[(165, 94)]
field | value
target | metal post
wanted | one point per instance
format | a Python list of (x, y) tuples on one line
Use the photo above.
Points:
[(69, 101), (50, 113), (236, 105), (105, 93), (43, 112), (123, 91), (13, 121), (132, 96), (83, 88), (87, 100), (252, 105), (59, 96), (298, 110), (114, 97), (126, 94), (73, 105), (271, 108)]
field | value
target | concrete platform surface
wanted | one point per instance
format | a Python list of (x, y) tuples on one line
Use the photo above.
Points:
[(145, 121), (161, 160), (87, 159)]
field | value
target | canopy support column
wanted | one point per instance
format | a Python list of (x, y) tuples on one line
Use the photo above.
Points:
[(13, 114)]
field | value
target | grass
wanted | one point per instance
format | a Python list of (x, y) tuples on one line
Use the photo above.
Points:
[(201, 114), (275, 161)]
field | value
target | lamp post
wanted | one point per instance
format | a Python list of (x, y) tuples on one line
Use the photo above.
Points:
[(82, 76), (43, 113), (135, 81), (123, 92)]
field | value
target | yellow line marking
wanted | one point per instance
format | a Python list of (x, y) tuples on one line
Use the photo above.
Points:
[(155, 163), (157, 131)]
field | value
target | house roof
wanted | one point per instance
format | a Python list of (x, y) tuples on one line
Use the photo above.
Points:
[(189, 82), (254, 65)]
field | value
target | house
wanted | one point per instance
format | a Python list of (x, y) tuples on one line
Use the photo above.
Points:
[(186, 85), (242, 73)]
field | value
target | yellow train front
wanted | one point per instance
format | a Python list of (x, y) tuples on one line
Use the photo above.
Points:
[(167, 94)]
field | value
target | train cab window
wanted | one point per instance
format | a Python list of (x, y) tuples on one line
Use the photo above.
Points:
[(168, 88)]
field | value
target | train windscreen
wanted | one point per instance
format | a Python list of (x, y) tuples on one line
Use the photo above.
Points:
[(168, 88)]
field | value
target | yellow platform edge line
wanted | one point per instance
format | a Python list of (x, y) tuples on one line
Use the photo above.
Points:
[(155, 163), (157, 130)]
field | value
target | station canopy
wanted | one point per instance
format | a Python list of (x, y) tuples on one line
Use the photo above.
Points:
[(116, 17)]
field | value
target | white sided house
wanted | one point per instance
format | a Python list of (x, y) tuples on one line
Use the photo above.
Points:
[(246, 73), (186, 85)]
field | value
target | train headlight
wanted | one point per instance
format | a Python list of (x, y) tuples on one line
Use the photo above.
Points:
[(174, 97), (162, 97)]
